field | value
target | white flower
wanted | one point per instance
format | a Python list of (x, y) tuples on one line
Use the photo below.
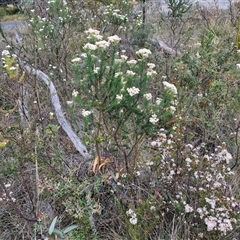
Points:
[(225, 155), (90, 46), (158, 101), (76, 60), (86, 113), (133, 91), (96, 69), (152, 208), (132, 62), (225, 226), (138, 173), (91, 31), (238, 65), (69, 102), (170, 87), (153, 119), (131, 73), (5, 53), (83, 55), (103, 44), (148, 96), (117, 74), (151, 72), (114, 38), (151, 65), (74, 93), (7, 185), (144, 52), (212, 202), (124, 57), (188, 208), (12, 68), (119, 97), (172, 109), (133, 221), (129, 212), (211, 223)]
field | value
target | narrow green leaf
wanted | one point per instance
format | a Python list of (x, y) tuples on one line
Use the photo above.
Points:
[(70, 228), (51, 229), (58, 233)]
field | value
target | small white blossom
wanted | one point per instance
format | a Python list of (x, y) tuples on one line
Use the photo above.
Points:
[(133, 91), (124, 57), (238, 65), (114, 39), (211, 223), (133, 221), (90, 46), (86, 113), (158, 101), (76, 60), (69, 102), (117, 74), (96, 69), (151, 65), (103, 44), (91, 31), (153, 119), (148, 96), (212, 202), (188, 208), (119, 97), (144, 52), (132, 62), (170, 87), (131, 73), (151, 72), (129, 212), (152, 208), (74, 93), (5, 53)]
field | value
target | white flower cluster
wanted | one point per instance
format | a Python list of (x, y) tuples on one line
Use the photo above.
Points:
[(144, 53), (133, 216), (86, 113), (74, 93), (153, 119), (133, 91), (170, 87), (5, 197), (93, 33), (148, 96), (6, 54)]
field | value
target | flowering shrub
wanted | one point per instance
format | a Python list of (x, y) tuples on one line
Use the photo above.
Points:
[(116, 89), (161, 125)]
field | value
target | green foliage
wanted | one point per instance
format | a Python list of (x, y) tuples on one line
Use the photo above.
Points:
[(178, 7)]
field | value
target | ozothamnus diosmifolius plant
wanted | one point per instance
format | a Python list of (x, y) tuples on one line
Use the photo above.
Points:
[(114, 93)]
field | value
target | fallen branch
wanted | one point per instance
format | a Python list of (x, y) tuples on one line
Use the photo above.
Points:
[(164, 47), (58, 111)]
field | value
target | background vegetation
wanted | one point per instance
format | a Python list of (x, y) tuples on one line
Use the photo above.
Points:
[(153, 95)]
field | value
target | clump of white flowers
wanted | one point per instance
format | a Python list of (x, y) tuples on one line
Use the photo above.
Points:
[(170, 87), (153, 119), (133, 216), (144, 53), (133, 91), (86, 113)]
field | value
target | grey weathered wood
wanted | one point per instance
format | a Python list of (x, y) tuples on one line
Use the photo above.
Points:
[(58, 111)]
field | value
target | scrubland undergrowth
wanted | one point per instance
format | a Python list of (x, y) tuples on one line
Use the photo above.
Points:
[(154, 97)]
